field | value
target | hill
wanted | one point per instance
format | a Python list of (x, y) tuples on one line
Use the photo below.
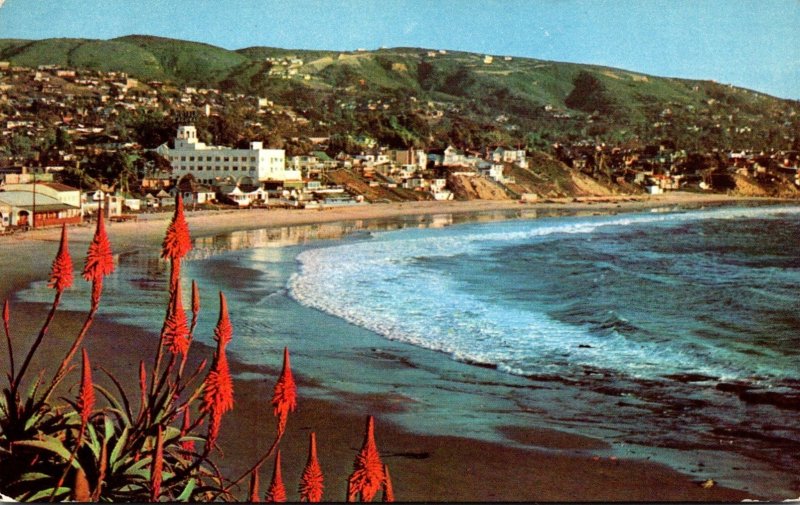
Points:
[(408, 96)]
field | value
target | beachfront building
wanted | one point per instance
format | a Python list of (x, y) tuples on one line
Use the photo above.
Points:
[(212, 164), (46, 204)]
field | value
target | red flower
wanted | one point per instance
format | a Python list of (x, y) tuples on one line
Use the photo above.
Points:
[(284, 399), (186, 445), (142, 382), (177, 241), (311, 483), (388, 492), (218, 389), (99, 260), (61, 275), (368, 476), (176, 329), (86, 394), (6, 312), (254, 498), (276, 492), (157, 467), (224, 330)]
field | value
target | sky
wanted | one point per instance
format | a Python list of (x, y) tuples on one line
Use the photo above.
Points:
[(749, 43)]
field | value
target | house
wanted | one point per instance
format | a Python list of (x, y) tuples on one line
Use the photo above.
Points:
[(510, 156), (27, 208), (194, 193), (61, 192), (243, 196), (112, 204), (491, 170), (408, 157), (453, 156), (164, 199), (206, 163)]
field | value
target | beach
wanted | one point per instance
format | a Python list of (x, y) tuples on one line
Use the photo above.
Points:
[(544, 465)]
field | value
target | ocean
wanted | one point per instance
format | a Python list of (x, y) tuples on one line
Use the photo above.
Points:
[(673, 335)]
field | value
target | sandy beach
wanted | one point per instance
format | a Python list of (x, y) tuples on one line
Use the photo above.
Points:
[(552, 466)]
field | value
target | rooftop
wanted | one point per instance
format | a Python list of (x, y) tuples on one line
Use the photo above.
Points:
[(24, 200)]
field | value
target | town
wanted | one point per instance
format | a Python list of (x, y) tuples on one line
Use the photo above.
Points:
[(73, 140)]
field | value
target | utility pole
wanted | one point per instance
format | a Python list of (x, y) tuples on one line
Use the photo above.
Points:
[(33, 215)]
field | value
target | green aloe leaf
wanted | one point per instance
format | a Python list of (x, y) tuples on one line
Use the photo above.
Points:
[(49, 444), (94, 443), (140, 468), (45, 493), (109, 427), (30, 477), (32, 420), (187, 491), (117, 450)]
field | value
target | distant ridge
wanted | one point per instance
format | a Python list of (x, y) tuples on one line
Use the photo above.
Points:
[(556, 100)]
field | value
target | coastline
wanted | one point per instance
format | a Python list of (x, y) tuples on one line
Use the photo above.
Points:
[(555, 466)]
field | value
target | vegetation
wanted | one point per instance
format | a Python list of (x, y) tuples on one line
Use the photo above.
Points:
[(409, 96), (113, 450)]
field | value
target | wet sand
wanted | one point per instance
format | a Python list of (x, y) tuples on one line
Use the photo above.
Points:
[(552, 466)]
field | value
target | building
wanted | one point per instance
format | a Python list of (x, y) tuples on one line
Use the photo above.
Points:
[(51, 204), (212, 164), (61, 192), (194, 193)]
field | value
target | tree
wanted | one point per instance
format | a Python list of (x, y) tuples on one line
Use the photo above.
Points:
[(21, 145), (152, 129), (63, 139)]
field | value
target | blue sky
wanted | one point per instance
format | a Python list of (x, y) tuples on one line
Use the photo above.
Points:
[(750, 43)]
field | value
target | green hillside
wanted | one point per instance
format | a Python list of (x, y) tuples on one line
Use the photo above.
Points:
[(188, 62), (453, 96)]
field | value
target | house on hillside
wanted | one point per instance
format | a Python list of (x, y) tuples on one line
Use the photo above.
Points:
[(503, 155), (493, 171), (453, 156)]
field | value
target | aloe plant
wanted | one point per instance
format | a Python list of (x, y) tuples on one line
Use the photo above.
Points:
[(138, 446)]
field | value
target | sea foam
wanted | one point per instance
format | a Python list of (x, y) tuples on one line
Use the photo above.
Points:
[(395, 285)]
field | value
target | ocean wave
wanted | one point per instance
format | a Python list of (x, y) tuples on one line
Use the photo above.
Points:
[(394, 285)]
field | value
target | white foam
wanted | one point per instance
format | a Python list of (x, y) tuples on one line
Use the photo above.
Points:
[(383, 285)]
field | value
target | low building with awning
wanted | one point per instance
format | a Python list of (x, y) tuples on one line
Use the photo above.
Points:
[(26, 208)]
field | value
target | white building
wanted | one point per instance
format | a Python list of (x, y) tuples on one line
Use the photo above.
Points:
[(212, 164)]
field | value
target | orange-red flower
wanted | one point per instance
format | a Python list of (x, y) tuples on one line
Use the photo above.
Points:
[(176, 329), (177, 241), (99, 260), (311, 483), (142, 382), (6, 312), (186, 445), (276, 492), (284, 399), (61, 274), (388, 491), (157, 467), (218, 389), (86, 393), (368, 476), (254, 497)]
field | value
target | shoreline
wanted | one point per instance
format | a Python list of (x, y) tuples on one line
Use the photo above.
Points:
[(554, 466)]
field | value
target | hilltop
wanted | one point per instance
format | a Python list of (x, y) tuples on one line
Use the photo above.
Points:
[(410, 96)]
